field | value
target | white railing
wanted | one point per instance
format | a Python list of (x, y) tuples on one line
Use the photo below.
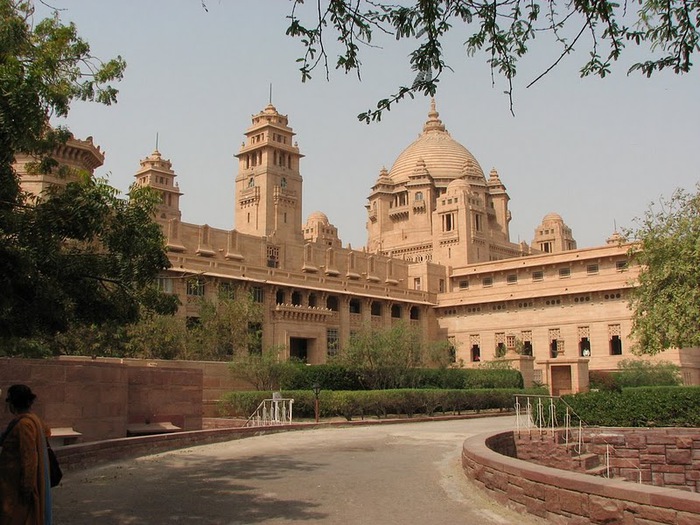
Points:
[(535, 417), (270, 412)]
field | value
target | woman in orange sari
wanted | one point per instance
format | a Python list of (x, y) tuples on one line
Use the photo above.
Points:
[(25, 490)]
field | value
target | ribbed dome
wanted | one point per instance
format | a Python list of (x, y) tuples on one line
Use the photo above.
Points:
[(318, 217), (444, 157)]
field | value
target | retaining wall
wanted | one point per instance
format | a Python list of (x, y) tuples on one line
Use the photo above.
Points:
[(570, 498)]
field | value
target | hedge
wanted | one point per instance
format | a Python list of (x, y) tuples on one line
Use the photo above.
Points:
[(638, 407), (377, 403), (337, 377)]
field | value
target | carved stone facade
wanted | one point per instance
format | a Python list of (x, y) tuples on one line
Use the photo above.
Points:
[(439, 257)]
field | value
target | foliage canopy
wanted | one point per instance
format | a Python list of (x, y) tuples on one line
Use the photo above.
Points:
[(502, 31), (666, 303), (81, 256)]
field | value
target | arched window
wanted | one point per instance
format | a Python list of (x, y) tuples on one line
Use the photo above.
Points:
[(355, 306), (251, 182), (332, 303), (296, 298), (414, 313), (419, 195)]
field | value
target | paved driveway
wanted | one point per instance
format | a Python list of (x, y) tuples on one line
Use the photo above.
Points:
[(385, 475)]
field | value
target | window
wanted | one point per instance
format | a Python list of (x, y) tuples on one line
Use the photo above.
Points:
[(312, 300), (546, 247), (584, 347), (332, 303), (414, 313), (527, 348), (332, 341), (477, 222), (273, 256), (251, 182), (164, 284), (512, 279), (279, 297), (296, 298), (283, 183), (621, 266), (226, 290), (448, 222), (355, 306), (615, 345), (441, 285), (463, 285), (416, 283), (396, 311), (476, 353), (564, 273), (419, 196), (615, 333), (376, 308), (592, 269), (258, 294), (487, 282), (195, 287), (538, 276), (500, 344), (553, 348)]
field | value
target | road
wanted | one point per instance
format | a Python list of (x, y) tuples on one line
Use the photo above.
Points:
[(399, 474)]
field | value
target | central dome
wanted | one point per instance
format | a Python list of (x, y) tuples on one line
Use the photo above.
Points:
[(445, 158)]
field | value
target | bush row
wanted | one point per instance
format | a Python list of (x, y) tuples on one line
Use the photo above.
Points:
[(638, 407), (377, 403), (338, 377)]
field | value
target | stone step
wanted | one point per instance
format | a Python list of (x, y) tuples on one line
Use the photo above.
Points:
[(587, 461), (601, 471)]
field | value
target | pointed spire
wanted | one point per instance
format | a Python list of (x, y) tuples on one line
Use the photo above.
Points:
[(433, 123)]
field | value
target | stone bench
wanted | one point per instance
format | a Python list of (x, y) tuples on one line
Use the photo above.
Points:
[(64, 436), (147, 429)]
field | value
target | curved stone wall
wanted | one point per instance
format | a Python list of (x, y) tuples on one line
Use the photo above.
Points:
[(564, 497)]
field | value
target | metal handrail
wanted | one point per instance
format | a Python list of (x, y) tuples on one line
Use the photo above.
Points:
[(270, 412), (541, 423)]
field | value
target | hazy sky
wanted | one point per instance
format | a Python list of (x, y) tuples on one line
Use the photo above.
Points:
[(597, 152)]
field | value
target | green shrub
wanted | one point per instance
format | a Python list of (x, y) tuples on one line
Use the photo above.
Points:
[(638, 407), (378, 403), (637, 372)]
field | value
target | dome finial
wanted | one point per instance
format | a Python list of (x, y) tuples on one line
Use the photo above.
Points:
[(433, 122)]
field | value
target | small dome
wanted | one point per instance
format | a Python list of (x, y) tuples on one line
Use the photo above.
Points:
[(457, 185), (552, 217), (318, 217), (444, 157)]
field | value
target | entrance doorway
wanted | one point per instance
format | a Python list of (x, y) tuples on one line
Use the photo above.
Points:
[(299, 348), (561, 380)]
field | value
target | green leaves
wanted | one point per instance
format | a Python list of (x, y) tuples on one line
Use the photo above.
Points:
[(666, 302), (668, 30)]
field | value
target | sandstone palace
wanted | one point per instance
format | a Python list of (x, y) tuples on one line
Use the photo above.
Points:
[(438, 256)]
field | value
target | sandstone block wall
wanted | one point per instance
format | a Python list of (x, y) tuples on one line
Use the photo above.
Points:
[(564, 497), (99, 399)]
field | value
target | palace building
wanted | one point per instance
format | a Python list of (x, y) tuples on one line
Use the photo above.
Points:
[(438, 257)]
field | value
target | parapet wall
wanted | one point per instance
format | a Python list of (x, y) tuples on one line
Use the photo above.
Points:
[(564, 497)]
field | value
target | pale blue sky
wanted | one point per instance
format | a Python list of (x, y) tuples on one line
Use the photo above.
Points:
[(595, 151)]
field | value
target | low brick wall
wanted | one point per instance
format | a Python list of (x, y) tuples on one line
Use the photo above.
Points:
[(663, 457), (564, 497)]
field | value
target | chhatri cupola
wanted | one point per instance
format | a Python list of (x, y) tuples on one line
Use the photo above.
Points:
[(269, 183), (158, 173)]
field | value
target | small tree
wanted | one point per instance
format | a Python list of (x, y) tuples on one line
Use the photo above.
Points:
[(227, 326), (381, 358), (666, 302), (262, 371)]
